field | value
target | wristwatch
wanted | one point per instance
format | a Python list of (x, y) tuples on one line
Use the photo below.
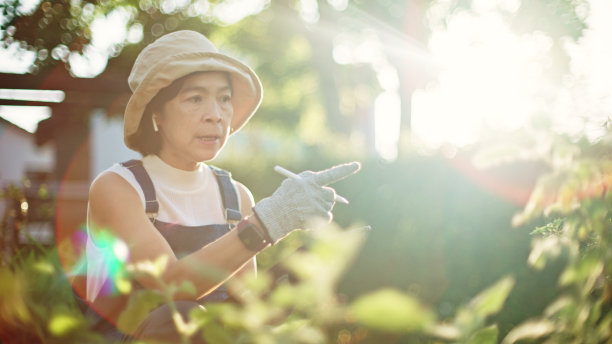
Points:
[(250, 236)]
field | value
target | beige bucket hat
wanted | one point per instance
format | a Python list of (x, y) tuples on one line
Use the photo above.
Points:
[(178, 54)]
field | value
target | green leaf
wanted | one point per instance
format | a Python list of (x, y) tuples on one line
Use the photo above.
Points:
[(308, 334), (297, 331), (529, 330), (487, 335), (330, 252), (585, 272), (62, 324), (560, 307), (139, 306), (603, 329), (12, 299), (187, 287), (214, 333), (186, 329), (553, 227), (44, 267), (391, 310), (543, 250), (283, 295), (444, 331), (491, 300), (123, 284)]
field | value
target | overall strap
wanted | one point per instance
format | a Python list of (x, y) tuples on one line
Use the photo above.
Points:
[(143, 179), (229, 196)]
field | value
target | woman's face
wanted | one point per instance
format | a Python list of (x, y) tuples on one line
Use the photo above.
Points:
[(194, 125)]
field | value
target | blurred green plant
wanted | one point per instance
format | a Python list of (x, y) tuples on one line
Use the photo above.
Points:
[(575, 196), (299, 298), (36, 302), (301, 305), (306, 308)]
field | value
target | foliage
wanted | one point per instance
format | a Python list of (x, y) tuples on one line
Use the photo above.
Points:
[(36, 303), (299, 305), (330, 285), (275, 43), (575, 195), (304, 308)]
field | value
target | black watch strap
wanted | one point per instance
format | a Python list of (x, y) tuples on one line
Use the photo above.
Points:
[(250, 236)]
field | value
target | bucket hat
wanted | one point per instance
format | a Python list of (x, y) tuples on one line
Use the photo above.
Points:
[(178, 54)]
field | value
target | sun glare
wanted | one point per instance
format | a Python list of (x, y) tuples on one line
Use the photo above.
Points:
[(107, 32), (25, 117), (493, 78), (489, 79), (386, 125), (230, 12), (588, 88), (488, 76), (14, 59)]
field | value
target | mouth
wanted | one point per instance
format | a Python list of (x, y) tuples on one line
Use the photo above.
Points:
[(208, 138)]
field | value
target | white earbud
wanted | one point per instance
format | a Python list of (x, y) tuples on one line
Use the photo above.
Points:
[(155, 128)]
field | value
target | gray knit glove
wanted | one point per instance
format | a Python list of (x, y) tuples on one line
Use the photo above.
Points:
[(299, 200)]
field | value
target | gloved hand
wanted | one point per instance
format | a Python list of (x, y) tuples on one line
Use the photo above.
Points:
[(296, 201)]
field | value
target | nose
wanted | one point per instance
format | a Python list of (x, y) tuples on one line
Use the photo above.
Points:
[(212, 113)]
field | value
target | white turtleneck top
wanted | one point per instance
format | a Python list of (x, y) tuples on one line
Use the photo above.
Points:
[(189, 198)]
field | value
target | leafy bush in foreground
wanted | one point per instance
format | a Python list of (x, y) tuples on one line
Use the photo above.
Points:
[(295, 298)]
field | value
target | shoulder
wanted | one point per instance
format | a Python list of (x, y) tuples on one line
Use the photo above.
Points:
[(109, 183), (117, 174), (113, 202)]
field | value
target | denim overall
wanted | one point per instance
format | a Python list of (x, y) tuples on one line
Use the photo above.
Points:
[(182, 239)]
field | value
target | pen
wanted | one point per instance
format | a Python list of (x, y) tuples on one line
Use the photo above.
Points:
[(285, 172)]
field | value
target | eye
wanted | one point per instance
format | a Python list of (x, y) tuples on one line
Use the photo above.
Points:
[(226, 99), (194, 99)]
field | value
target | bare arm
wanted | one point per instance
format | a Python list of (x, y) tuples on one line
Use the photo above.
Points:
[(116, 206), (246, 205)]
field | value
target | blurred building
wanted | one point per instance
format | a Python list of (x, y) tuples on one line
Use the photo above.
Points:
[(20, 155), (82, 137), (21, 158)]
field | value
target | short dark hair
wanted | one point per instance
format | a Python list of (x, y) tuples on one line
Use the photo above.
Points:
[(146, 141)]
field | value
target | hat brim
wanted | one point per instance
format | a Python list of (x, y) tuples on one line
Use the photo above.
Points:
[(246, 87)]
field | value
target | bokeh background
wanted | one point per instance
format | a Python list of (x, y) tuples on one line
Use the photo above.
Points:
[(451, 106)]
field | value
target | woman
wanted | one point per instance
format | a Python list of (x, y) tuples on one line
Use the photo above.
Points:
[(187, 100)]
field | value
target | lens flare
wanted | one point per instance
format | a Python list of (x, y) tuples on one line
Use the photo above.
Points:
[(72, 235), (115, 255)]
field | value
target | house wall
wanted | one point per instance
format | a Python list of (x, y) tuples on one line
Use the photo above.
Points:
[(19, 154), (107, 145)]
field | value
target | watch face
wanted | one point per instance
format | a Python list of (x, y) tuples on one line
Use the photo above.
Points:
[(251, 238)]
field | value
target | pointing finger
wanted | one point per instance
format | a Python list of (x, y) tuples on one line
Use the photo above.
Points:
[(336, 173)]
